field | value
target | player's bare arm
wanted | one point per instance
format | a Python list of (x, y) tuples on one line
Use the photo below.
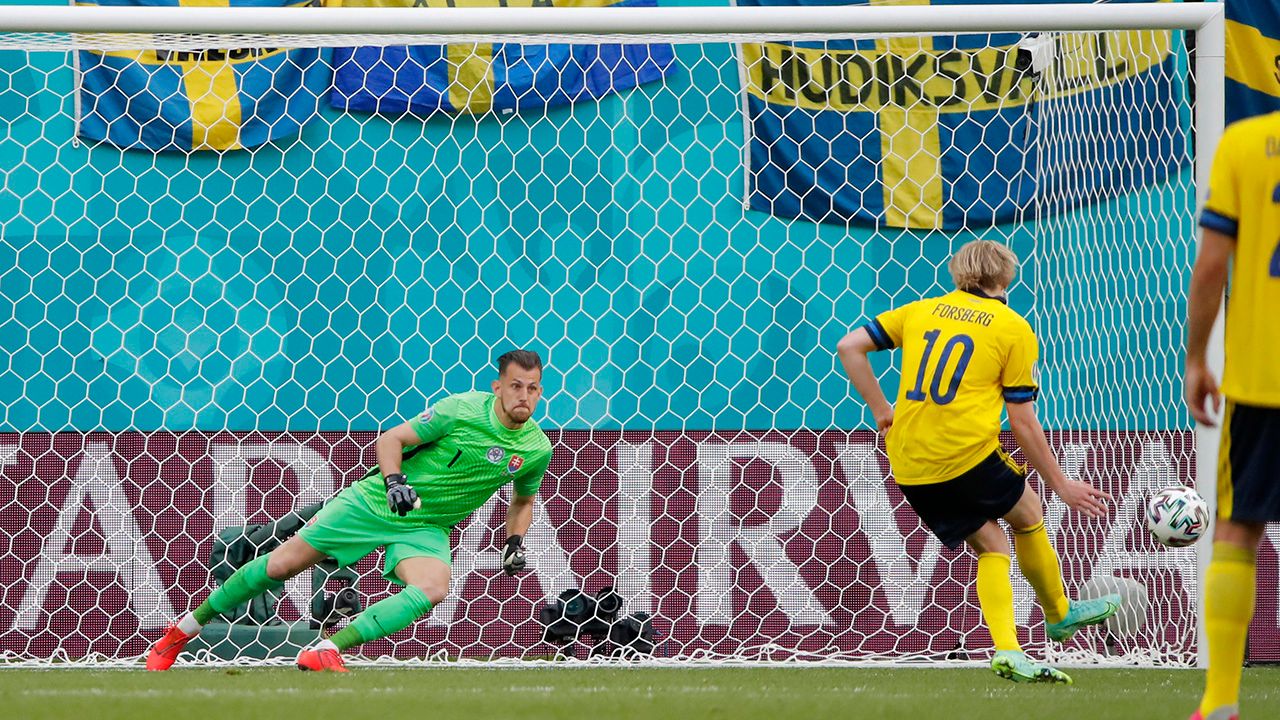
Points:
[(519, 517), (1079, 496), (401, 497), (853, 349), (1204, 296), (520, 514), (390, 446)]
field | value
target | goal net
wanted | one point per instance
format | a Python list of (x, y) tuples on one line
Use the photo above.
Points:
[(228, 260)]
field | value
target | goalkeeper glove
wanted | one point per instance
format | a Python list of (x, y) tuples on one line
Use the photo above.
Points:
[(400, 497), (513, 556)]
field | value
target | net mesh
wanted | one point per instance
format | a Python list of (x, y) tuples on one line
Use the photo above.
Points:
[(208, 318)]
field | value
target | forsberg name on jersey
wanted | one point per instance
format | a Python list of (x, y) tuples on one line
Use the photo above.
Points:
[(969, 315)]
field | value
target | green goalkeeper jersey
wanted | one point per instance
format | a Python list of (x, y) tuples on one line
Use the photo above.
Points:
[(465, 456)]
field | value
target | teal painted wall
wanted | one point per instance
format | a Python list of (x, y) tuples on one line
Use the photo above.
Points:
[(341, 280)]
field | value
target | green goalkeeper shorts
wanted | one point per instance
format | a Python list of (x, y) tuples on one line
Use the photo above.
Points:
[(347, 530)]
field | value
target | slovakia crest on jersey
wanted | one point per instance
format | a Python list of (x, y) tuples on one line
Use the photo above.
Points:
[(495, 454), (514, 465)]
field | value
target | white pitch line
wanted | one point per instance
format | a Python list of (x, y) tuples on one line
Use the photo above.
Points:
[(184, 692), (648, 691)]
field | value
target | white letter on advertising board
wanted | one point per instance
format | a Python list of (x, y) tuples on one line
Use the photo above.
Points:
[(126, 554), (905, 582), (717, 529), (635, 468)]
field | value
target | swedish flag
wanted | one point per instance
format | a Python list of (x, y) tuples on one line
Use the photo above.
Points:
[(214, 99), (477, 78), (1253, 58), (938, 132)]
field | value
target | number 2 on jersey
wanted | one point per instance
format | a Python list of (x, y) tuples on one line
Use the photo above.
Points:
[(966, 353)]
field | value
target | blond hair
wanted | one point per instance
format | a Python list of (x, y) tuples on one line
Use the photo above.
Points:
[(983, 264)]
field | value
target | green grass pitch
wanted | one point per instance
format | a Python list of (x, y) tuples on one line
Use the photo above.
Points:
[(606, 693)]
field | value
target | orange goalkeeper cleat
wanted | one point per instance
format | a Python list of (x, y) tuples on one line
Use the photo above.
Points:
[(327, 660), (166, 649)]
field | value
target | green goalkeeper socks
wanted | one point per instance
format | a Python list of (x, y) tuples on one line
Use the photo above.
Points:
[(378, 621), (247, 583), (384, 618)]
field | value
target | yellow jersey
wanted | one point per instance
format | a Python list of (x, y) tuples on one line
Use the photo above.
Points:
[(964, 355), (1244, 203)]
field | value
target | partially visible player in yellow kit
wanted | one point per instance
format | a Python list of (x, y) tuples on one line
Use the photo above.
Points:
[(1241, 234), (966, 356)]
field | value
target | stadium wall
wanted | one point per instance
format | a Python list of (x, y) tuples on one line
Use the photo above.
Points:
[(776, 545)]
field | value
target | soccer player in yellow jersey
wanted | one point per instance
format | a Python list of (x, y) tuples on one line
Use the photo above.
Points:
[(1240, 233), (965, 357)]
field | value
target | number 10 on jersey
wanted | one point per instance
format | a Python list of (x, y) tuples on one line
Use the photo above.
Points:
[(965, 345)]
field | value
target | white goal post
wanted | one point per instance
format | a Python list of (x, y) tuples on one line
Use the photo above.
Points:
[(192, 327), (702, 21)]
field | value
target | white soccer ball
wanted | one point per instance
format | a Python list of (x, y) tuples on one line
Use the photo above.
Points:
[(1177, 516)]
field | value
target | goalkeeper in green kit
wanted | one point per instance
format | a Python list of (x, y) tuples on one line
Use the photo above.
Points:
[(433, 471)]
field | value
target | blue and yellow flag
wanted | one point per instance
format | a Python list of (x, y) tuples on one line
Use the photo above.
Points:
[(477, 78), (207, 99), (940, 132), (1253, 58)]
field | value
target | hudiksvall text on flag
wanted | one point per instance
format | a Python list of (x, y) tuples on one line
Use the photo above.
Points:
[(945, 132)]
